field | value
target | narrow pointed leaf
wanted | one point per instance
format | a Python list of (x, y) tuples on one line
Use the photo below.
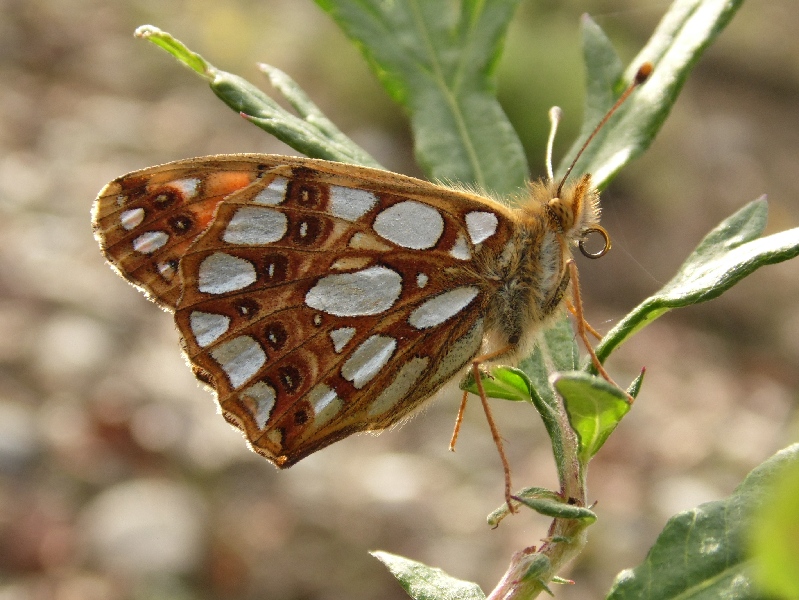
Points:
[(559, 509), (701, 553), (502, 511), (727, 254), (636, 384), (683, 34), (605, 77), (545, 502), (428, 583), (176, 48), (437, 58), (310, 133)]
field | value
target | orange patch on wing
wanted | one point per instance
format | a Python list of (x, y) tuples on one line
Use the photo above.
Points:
[(224, 183)]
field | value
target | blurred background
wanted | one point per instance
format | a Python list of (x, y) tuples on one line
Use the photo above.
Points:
[(118, 479)]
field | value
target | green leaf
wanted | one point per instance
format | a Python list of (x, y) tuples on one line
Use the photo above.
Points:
[(774, 536), (502, 511), (700, 554), (437, 58), (606, 70), (683, 34), (538, 566), (545, 502), (506, 383), (427, 583), (559, 509), (635, 386), (311, 133), (729, 253), (555, 350), (176, 48), (594, 406)]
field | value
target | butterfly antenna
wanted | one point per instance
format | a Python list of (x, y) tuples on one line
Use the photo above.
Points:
[(555, 114), (644, 71)]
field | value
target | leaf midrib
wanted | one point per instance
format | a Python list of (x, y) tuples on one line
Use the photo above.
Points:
[(450, 94)]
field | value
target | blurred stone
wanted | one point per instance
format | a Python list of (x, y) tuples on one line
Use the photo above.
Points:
[(393, 478), (157, 427), (71, 344), (146, 526), (19, 439)]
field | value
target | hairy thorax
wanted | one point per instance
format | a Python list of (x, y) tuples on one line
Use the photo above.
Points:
[(532, 272)]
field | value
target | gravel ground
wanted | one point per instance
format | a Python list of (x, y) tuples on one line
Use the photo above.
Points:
[(117, 477)]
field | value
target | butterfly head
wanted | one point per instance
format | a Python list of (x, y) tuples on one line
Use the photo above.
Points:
[(573, 212)]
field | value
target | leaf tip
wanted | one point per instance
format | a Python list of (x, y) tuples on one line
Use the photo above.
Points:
[(145, 31)]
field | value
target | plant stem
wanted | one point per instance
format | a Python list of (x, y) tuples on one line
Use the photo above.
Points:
[(530, 570)]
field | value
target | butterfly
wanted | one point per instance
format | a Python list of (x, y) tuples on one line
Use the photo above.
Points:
[(319, 299)]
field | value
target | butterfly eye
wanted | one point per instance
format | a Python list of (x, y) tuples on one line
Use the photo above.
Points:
[(605, 241)]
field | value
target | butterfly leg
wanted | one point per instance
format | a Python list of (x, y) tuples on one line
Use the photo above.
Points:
[(591, 330), (458, 420), (491, 424), (582, 328)]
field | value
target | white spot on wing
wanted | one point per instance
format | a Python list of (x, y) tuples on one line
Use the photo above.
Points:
[(410, 224), (261, 398), (442, 307), (275, 436), (220, 273), (407, 376), (208, 327), (149, 242), (421, 280), (255, 225), (187, 187), (240, 359), (350, 204), (341, 337), (367, 360), (273, 194), (367, 292), (460, 249), (326, 404), (481, 225), (131, 219), (166, 270)]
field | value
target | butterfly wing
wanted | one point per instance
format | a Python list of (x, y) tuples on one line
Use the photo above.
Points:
[(145, 221), (320, 299)]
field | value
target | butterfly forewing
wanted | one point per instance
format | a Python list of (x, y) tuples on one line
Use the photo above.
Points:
[(318, 299), (146, 221)]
